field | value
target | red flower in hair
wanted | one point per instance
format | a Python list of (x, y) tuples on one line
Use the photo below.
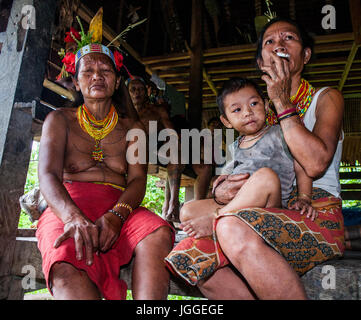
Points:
[(69, 62), (73, 32), (118, 57)]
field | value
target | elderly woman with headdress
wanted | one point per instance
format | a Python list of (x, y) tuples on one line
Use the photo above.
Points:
[(271, 248), (94, 224)]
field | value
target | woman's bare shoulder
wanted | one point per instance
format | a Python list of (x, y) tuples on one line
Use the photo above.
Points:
[(331, 93), (61, 115), (331, 100)]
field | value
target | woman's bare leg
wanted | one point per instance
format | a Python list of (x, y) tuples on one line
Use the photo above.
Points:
[(224, 284), (70, 283), (150, 278), (265, 270)]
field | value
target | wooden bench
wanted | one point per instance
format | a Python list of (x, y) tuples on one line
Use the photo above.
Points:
[(187, 179), (346, 272)]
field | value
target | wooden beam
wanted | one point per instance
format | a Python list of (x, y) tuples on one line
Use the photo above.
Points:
[(58, 89), (206, 77), (319, 40), (349, 62), (355, 12), (196, 66)]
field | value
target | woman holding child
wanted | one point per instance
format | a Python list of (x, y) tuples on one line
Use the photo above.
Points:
[(269, 248)]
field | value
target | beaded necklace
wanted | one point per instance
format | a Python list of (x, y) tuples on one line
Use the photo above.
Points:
[(97, 129), (260, 133), (303, 97), (302, 100)]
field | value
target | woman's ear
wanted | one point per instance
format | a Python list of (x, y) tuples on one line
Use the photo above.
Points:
[(307, 55), (225, 122), (260, 62), (75, 82)]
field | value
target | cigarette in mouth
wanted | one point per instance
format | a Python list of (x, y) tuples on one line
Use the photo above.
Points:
[(283, 55)]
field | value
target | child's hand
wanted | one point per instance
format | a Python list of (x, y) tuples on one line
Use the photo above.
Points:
[(305, 207)]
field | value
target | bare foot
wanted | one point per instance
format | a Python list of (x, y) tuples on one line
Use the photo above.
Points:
[(199, 227)]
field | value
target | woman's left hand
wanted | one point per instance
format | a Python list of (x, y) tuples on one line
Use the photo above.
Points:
[(109, 228), (277, 79), (306, 208)]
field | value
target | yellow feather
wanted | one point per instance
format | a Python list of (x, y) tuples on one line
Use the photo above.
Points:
[(96, 26)]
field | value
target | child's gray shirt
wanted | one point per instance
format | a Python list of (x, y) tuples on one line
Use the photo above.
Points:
[(270, 151)]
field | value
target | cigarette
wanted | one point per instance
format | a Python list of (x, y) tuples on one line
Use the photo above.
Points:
[(283, 55)]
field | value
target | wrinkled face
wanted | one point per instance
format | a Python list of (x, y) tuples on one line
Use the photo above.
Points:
[(96, 77), (283, 37), (137, 92), (244, 111)]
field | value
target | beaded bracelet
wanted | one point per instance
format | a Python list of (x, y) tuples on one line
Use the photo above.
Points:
[(287, 116), (118, 215), (214, 195), (286, 112), (123, 205)]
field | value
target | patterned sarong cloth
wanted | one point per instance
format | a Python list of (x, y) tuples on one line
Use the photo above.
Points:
[(302, 242), (94, 200)]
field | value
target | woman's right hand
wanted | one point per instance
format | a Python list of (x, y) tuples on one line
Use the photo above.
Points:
[(227, 186), (109, 227), (278, 79), (85, 233)]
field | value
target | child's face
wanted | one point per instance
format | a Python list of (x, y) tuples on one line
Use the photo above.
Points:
[(244, 111)]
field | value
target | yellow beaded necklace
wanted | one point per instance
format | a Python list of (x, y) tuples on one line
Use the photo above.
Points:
[(97, 129)]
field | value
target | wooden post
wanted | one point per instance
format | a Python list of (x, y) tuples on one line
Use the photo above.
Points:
[(196, 76), (23, 65), (355, 13)]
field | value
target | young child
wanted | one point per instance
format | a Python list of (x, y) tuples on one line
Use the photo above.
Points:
[(261, 151), (258, 146)]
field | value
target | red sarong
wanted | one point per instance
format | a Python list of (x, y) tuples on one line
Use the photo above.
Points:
[(94, 200)]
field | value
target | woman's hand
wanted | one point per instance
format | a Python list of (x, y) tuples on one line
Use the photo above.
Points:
[(109, 229), (277, 79), (85, 233), (226, 186), (305, 207)]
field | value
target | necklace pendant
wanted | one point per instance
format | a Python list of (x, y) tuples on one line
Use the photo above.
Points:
[(97, 154)]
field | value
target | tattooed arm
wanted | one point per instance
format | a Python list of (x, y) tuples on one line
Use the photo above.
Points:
[(315, 150)]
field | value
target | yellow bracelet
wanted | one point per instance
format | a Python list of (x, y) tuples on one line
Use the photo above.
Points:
[(304, 196), (123, 205)]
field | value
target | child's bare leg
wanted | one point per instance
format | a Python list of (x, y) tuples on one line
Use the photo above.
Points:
[(262, 189)]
